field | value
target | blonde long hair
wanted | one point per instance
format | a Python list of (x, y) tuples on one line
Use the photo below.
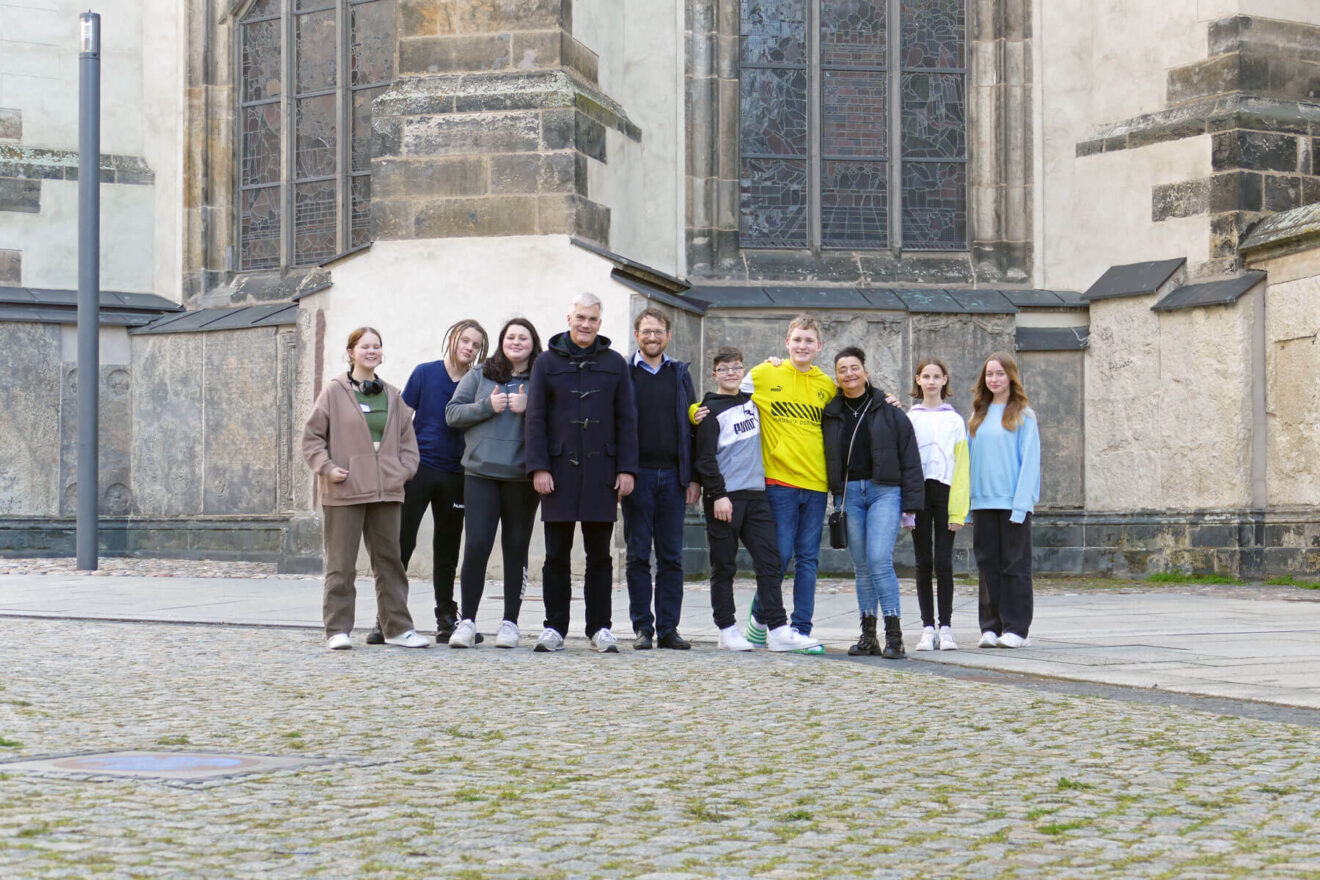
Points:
[(1016, 407)]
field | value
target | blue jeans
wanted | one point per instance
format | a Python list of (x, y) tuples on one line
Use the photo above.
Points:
[(799, 517), (653, 514), (874, 513)]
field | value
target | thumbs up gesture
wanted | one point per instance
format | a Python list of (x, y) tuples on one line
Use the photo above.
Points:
[(518, 400), (498, 399)]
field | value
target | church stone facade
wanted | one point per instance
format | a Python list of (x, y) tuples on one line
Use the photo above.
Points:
[(1125, 194)]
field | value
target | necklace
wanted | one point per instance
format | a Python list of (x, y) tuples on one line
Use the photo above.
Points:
[(855, 410)]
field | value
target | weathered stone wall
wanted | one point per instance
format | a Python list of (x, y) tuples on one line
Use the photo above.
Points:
[(1204, 407), (210, 427), (1168, 407), (1056, 387), (1292, 353), (1121, 410), (30, 420)]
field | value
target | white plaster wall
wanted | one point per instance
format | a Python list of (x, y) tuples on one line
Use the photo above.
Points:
[(1287, 10), (164, 41), (49, 239), (141, 115), (641, 52), (1105, 219), (1101, 63), (413, 290)]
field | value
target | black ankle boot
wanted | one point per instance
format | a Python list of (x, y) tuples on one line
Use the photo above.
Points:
[(867, 644), (893, 649), (445, 622), (376, 637)]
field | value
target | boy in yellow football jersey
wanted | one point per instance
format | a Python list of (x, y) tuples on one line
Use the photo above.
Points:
[(790, 397)]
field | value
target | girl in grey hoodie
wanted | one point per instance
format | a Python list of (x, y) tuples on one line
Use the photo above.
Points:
[(489, 405)]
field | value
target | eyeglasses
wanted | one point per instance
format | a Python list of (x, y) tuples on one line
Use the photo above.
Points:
[(729, 371)]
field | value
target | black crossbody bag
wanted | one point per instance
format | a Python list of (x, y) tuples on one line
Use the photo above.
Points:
[(838, 516)]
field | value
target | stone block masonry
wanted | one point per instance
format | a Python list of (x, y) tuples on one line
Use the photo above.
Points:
[(486, 154)]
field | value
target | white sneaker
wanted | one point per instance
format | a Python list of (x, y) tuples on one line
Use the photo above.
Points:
[(929, 641), (465, 634), (1013, 640), (604, 642), (550, 640), (988, 640), (785, 638), (731, 639), (409, 639), (508, 635), (944, 641), (339, 642)]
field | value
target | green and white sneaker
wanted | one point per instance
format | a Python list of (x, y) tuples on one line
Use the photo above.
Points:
[(755, 631), (785, 639)]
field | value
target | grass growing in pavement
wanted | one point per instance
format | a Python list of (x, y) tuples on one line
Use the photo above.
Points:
[(1293, 581), (1177, 577)]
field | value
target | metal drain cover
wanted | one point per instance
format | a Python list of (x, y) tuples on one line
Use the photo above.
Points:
[(175, 766)]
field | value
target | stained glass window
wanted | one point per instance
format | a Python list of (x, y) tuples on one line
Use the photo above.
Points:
[(305, 147), (934, 117), (869, 145), (773, 126)]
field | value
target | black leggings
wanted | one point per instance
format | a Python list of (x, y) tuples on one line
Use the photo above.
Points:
[(443, 493), (510, 504), (934, 518)]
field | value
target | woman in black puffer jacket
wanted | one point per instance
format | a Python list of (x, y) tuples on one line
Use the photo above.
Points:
[(873, 465)]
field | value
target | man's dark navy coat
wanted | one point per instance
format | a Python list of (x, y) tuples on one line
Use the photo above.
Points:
[(581, 427)]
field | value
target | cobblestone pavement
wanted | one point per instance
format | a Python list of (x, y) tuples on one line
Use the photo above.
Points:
[(495, 764)]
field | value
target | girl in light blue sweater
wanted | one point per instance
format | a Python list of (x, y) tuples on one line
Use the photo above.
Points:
[(1005, 478)]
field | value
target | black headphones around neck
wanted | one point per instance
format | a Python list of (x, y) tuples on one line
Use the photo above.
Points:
[(371, 387)]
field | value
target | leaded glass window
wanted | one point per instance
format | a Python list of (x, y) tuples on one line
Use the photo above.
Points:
[(852, 133), (308, 71)]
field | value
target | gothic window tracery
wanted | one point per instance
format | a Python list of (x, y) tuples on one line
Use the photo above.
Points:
[(853, 131), (308, 71)]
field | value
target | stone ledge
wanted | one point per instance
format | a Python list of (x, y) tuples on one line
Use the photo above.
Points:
[(1290, 230), (38, 163), (1206, 116), (412, 96)]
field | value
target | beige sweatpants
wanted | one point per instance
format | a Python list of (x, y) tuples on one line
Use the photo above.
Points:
[(343, 528)]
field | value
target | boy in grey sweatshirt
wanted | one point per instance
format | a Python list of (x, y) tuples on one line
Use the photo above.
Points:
[(728, 463)]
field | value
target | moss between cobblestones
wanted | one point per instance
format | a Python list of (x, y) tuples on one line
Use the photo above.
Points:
[(509, 764)]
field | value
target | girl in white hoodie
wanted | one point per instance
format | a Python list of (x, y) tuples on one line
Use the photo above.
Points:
[(942, 436)]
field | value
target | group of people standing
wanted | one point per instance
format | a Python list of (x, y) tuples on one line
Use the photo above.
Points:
[(579, 430)]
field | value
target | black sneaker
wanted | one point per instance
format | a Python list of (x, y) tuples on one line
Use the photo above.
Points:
[(642, 642), (376, 636)]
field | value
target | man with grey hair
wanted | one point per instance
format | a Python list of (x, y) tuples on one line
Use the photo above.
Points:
[(581, 432)]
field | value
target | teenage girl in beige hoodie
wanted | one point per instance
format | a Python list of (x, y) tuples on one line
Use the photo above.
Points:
[(359, 442)]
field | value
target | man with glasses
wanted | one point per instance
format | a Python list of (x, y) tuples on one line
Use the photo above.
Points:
[(653, 514)]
